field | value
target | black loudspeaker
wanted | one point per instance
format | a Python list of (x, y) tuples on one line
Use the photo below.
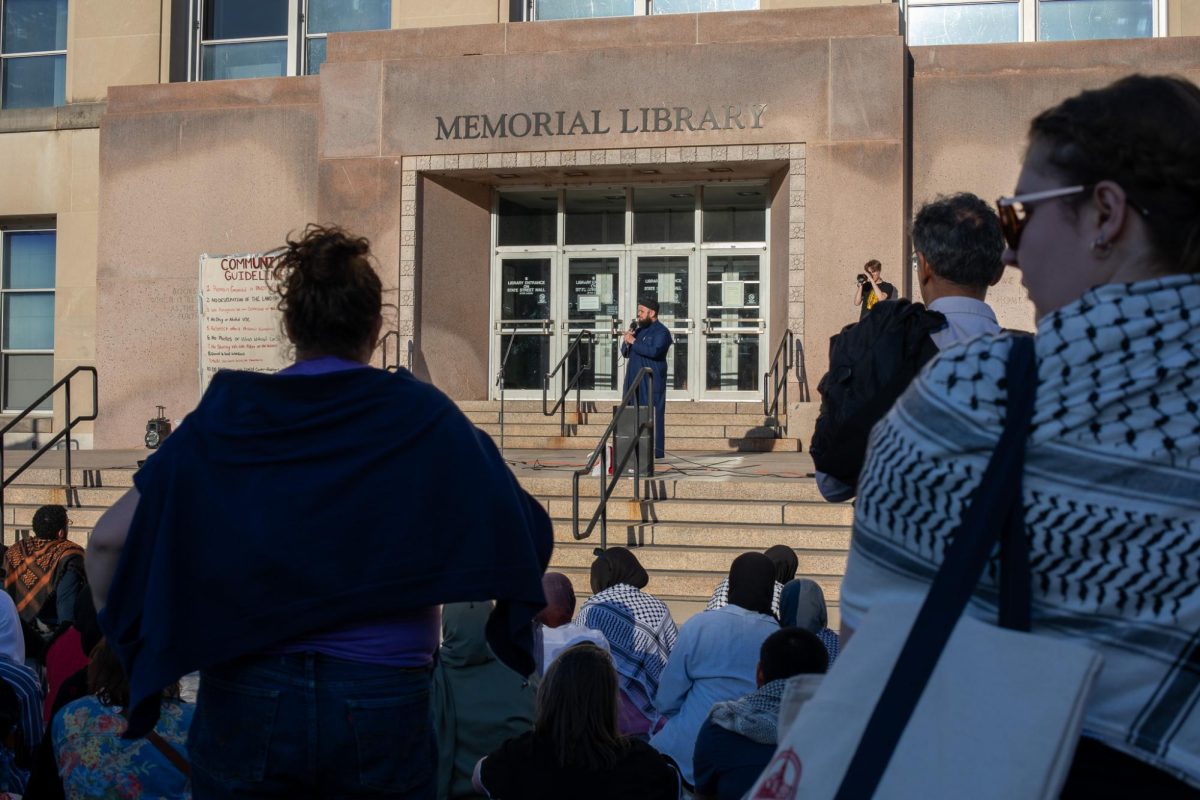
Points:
[(157, 429), (623, 440)]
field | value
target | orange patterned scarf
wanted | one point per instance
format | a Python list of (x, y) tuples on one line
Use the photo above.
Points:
[(32, 569)]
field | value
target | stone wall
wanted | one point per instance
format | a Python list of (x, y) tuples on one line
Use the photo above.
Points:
[(186, 169), (972, 106)]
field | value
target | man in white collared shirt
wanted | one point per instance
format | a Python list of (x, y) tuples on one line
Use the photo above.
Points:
[(958, 246)]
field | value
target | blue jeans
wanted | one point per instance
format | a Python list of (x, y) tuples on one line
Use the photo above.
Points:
[(308, 725)]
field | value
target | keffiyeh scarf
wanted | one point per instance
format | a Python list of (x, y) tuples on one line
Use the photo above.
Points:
[(720, 596), (33, 568), (755, 716), (1111, 491), (640, 634)]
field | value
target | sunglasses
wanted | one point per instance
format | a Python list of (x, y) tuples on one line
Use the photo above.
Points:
[(1015, 211)]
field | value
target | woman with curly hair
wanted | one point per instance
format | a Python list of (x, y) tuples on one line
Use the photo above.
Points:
[(293, 541)]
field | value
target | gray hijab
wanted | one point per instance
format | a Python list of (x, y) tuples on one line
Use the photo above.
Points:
[(802, 605)]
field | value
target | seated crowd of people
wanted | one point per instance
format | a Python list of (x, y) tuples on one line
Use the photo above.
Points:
[(626, 705), (622, 704), (63, 692)]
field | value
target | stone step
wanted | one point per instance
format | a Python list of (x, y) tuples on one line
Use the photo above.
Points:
[(604, 417), (594, 432), (693, 586), (76, 533), (834, 538), (715, 560), (761, 512), (605, 406), (50, 476), (673, 444), (22, 516), (40, 495), (677, 488)]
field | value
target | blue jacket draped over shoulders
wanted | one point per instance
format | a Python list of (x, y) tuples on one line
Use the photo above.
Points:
[(289, 504)]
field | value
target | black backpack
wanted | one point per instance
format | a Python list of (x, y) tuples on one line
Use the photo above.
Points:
[(871, 363)]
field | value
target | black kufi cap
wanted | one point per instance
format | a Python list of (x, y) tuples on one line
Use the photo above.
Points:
[(649, 302)]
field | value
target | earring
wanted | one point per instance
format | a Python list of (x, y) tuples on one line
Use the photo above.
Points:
[(1101, 247)]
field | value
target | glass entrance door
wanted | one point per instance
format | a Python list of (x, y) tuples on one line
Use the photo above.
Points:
[(576, 259), (524, 322), (733, 326), (669, 278), (594, 304)]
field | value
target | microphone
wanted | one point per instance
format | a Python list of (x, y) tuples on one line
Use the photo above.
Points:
[(633, 325)]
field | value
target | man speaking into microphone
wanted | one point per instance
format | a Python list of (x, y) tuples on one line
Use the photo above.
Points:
[(646, 345)]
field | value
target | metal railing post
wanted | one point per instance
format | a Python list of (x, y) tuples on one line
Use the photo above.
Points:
[(772, 390), (599, 455), (500, 383), (603, 498), (67, 390), (567, 382)]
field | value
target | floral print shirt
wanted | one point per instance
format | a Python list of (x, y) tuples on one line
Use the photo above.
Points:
[(95, 762)]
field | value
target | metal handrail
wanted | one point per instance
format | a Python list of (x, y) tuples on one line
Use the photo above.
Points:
[(583, 362), (384, 344), (600, 455), (65, 384), (500, 383), (776, 387)]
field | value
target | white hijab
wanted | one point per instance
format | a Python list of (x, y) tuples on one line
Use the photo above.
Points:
[(12, 639)]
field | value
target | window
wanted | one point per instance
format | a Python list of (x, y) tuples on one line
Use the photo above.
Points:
[(27, 263), (1066, 20), (271, 38), (33, 53), (933, 22), (964, 23), (333, 16), (584, 9)]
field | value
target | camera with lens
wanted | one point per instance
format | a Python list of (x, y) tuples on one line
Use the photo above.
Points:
[(861, 279)]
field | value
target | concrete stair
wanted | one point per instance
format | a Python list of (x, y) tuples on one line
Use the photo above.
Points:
[(94, 490), (685, 529), (695, 427)]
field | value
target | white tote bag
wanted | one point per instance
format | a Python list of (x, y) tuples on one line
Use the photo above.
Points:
[(998, 720)]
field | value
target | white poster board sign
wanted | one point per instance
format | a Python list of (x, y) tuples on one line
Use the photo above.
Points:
[(240, 326)]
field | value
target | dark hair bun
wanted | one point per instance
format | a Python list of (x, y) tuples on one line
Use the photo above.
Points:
[(329, 293)]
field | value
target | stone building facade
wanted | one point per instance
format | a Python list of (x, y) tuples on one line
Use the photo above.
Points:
[(741, 165)]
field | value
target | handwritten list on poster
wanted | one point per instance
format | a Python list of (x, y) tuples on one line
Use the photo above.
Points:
[(239, 322)]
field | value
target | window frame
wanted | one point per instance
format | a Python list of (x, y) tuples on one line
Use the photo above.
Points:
[(6, 57), (1027, 16), (5, 352), (297, 38), (641, 8)]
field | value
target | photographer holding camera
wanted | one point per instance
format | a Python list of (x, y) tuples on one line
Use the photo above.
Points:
[(871, 289)]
